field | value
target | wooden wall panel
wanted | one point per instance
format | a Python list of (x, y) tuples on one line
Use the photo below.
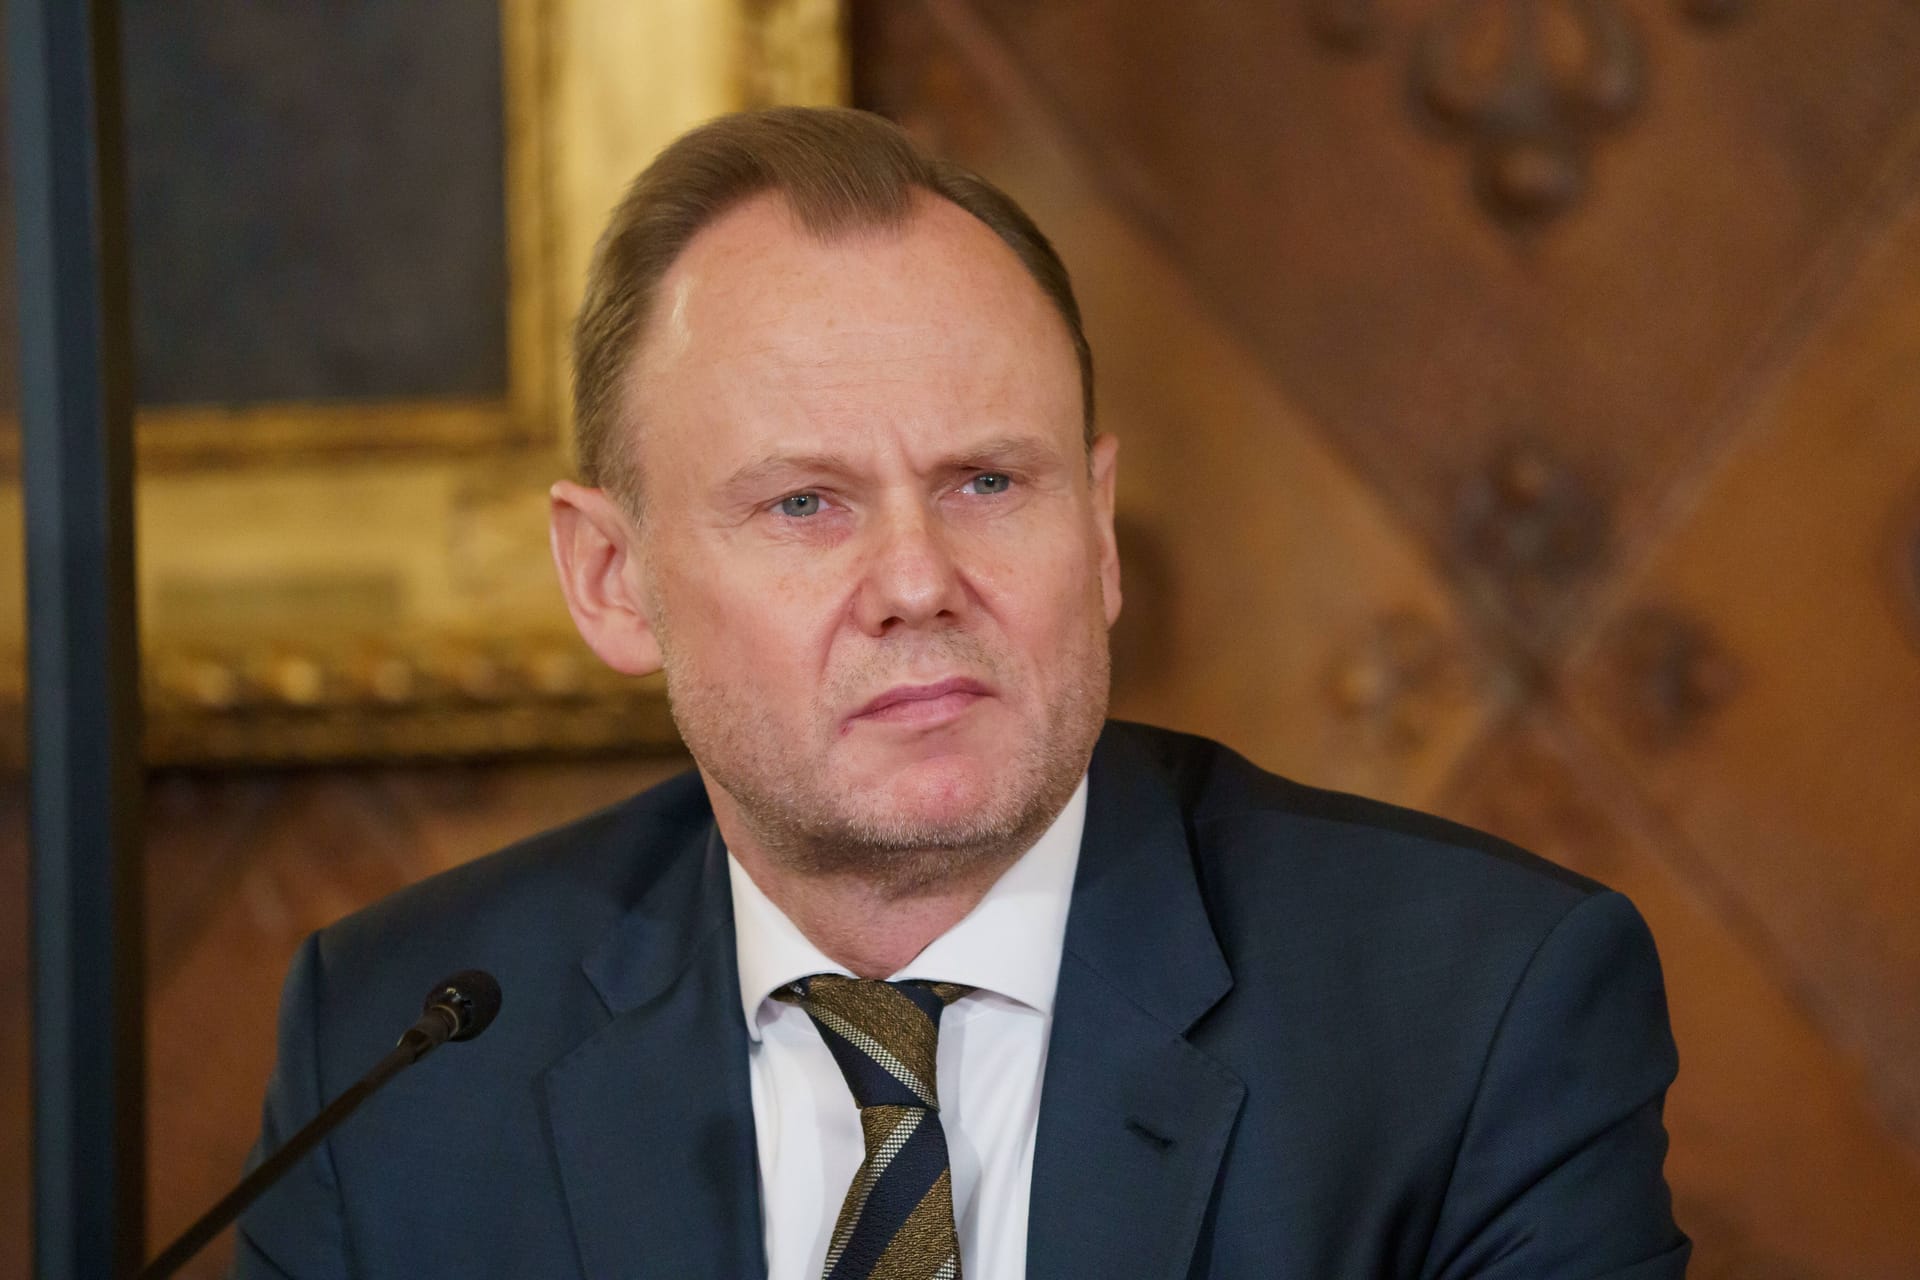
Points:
[(1762, 680), (1334, 225), (1580, 436)]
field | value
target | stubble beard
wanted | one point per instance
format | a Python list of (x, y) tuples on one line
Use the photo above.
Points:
[(809, 827)]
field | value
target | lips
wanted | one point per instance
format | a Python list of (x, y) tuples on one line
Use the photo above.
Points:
[(934, 702)]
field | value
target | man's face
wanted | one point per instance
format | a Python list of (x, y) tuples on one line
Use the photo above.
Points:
[(873, 549)]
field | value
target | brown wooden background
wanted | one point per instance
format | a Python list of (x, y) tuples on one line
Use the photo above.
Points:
[(1521, 417)]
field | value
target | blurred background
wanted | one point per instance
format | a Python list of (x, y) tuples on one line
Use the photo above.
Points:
[(1520, 407)]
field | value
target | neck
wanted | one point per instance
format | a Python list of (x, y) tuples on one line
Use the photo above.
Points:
[(875, 914), (876, 908), (873, 929)]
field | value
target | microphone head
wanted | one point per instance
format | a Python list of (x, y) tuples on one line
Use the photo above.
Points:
[(471, 998)]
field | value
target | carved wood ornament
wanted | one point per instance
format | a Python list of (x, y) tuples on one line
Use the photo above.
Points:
[(1673, 673), (1532, 525), (1394, 681), (1530, 86)]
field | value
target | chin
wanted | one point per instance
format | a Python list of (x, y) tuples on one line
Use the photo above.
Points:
[(946, 802), (943, 788)]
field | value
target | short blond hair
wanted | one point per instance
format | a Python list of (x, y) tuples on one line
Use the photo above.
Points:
[(840, 171)]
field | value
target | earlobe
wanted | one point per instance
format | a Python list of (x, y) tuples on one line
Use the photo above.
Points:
[(1106, 462), (594, 550)]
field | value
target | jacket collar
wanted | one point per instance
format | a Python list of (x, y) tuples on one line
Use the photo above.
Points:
[(651, 1116), (1138, 920), (1134, 1120)]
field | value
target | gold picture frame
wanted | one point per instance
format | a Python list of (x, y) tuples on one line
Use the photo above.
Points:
[(370, 581)]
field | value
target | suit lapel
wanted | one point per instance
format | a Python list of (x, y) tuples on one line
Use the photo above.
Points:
[(1134, 1119), (651, 1117)]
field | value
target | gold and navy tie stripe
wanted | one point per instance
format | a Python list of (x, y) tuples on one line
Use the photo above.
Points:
[(897, 1220)]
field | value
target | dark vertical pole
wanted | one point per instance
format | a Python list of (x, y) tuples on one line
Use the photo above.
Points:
[(82, 672)]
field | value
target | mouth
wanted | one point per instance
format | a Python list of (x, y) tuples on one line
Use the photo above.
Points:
[(922, 705)]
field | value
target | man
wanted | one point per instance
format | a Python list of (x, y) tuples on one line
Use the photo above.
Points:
[(926, 971)]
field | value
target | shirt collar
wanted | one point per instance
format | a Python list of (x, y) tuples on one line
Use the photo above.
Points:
[(1008, 944)]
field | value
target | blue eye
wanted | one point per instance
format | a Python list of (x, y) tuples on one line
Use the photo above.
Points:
[(800, 504), (989, 482)]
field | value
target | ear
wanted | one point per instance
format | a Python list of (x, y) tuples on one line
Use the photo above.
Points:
[(596, 549), (1106, 462)]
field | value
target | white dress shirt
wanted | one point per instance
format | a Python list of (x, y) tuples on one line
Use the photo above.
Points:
[(993, 1051)]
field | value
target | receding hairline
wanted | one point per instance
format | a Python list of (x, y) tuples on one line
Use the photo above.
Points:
[(839, 172), (671, 290)]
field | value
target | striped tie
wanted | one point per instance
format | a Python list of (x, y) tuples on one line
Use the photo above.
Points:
[(897, 1220)]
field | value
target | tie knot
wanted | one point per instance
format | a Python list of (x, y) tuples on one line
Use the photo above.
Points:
[(884, 1035)]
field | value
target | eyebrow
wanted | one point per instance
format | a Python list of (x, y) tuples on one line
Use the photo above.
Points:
[(1016, 452)]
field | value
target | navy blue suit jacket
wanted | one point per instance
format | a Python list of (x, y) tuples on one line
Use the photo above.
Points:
[(1297, 1034)]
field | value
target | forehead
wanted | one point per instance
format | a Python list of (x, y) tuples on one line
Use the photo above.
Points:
[(759, 261), (759, 305)]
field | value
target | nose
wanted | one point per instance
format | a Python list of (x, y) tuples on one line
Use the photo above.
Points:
[(911, 577)]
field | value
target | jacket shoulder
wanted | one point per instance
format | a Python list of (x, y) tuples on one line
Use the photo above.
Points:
[(1301, 883), (1242, 818), (537, 901), (1465, 1039)]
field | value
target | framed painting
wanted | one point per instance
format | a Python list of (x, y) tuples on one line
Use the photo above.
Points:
[(358, 234)]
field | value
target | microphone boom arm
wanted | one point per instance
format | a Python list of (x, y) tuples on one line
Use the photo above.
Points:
[(451, 1014)]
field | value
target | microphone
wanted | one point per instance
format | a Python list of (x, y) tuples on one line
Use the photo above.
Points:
[(458, 1008)]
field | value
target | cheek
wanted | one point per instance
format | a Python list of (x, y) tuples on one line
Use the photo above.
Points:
[(1042, 599), (754, 631)]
